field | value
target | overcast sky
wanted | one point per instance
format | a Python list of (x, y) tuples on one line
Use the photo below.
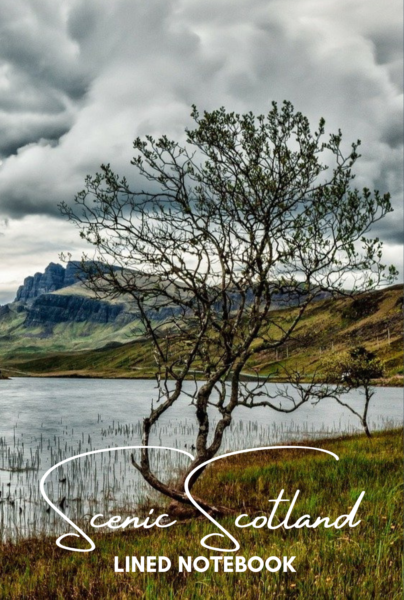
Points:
[(80, 79)]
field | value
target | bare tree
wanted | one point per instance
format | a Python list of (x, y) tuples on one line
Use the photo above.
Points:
[(242, 217)]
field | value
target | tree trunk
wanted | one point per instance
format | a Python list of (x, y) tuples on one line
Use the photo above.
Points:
[(181, 507), (368, 395), (181, 511), (366, 428)]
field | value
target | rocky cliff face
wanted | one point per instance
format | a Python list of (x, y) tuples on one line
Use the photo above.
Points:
[(54, 278), (51, 309), (45, 308)]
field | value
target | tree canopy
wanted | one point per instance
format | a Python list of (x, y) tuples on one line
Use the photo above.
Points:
[(249, 213), (355, 369)]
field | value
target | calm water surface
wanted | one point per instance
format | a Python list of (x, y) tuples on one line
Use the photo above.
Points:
[(32, 406), (44, 421)]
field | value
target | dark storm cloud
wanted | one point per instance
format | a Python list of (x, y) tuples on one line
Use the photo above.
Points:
[(79, 79), (29, 131), (41, 75), (390, 231), (35, 42), (388, 46), (392, 133)]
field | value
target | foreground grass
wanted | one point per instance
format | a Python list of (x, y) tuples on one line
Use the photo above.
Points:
[(353, 563)]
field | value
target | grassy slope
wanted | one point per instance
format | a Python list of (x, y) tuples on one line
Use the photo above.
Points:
[(355, 563), (18, 343), (327, 326)]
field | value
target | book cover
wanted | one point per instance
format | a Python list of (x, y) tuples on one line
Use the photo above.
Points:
[(201, 295)]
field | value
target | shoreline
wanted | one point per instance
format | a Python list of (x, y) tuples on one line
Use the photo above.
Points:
[(395, 381)]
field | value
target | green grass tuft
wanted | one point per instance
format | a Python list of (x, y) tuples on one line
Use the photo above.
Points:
[(359, 563)]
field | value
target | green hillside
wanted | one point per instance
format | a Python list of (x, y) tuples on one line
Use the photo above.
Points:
[(373, 319), (18, 342)]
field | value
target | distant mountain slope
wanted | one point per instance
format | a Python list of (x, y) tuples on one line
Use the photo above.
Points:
[(374, 319), (55, 311), (56, 322), (52, 309)]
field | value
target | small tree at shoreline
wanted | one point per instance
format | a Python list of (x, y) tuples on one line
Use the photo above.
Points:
[(355, 369), (244, 216)]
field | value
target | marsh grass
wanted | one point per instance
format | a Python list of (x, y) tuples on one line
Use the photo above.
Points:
[(107, 482), (359, 563)]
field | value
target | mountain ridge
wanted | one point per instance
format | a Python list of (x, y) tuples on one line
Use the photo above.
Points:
[(54, 313), (54, 278), (373, 319)]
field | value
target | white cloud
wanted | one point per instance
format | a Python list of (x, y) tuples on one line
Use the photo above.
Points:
[(81, 78), (28, 245)]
